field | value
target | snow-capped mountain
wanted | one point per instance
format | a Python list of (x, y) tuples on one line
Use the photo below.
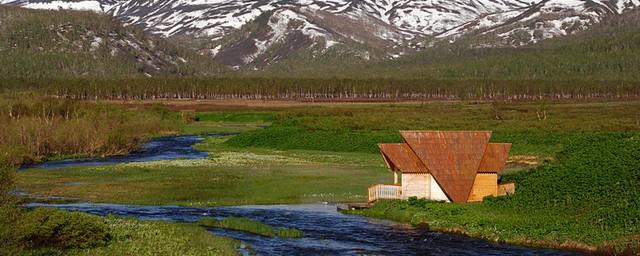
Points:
[(256, 33)]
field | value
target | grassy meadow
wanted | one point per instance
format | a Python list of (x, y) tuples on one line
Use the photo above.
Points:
[(231, 176), (535, 129), (135, 237), (328, 153), (228, 122), (323, 153)]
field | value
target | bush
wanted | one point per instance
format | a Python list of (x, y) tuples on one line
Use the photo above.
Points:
[(51, 228), (9, 216), (6, 185)]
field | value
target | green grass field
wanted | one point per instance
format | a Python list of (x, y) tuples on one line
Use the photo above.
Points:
[(329, 153), (228, 122), (538, 129), (230, 176), (324, 153)]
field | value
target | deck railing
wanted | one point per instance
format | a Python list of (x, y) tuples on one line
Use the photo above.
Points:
[(382, 191)]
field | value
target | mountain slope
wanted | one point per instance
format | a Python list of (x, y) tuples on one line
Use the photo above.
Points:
[(544, 20), (37, 43), (609, 50), (256, 34)]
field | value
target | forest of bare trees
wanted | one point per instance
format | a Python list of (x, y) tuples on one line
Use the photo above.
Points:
[(329, 89)]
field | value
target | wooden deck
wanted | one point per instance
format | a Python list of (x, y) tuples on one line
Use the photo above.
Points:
[(384, 191)]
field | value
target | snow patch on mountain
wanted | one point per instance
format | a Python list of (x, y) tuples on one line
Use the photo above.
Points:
[(282, 23), (82, 5)]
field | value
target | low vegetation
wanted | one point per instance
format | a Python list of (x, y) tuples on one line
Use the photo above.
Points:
[(44, 231), (135, 237), (251, 226), (231, 177), (50, 231), (227, 122), (586, 200), (537, 129)]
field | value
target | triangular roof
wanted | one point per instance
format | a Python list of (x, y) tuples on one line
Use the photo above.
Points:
[(400, 156), (495, 158), (452, 157)]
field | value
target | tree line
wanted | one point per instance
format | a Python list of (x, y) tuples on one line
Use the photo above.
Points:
[(309, 89)]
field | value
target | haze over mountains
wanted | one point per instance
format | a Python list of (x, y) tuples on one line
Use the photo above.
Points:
[(256, 34)]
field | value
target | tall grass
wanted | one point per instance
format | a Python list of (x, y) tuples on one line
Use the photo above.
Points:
[(35, 127)]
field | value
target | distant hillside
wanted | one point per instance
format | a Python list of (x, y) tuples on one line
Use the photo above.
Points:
[(68, 44), (251, 35), (608, 51), (61, 44)]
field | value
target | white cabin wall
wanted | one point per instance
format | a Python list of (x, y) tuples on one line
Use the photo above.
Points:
[(436, 191), (415, 184)]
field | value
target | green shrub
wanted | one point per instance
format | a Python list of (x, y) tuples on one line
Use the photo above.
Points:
[(10, 244), (6, 185), (51, 228)]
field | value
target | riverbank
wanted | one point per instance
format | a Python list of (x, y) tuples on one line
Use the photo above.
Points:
[(324, 231)]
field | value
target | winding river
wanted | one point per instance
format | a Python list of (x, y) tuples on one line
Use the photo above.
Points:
[(326, 231)]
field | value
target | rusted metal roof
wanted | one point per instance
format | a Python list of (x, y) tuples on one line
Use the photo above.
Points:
[(495, 158), (402, 157), (452, 157)]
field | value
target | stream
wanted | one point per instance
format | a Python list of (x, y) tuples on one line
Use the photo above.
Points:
[(326, 231), (162, 148)]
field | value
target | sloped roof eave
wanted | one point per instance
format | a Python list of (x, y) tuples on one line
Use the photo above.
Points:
[(401, 156), (495, 158)]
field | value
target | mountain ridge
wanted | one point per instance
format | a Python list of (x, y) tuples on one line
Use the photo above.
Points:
[(252, 35)]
